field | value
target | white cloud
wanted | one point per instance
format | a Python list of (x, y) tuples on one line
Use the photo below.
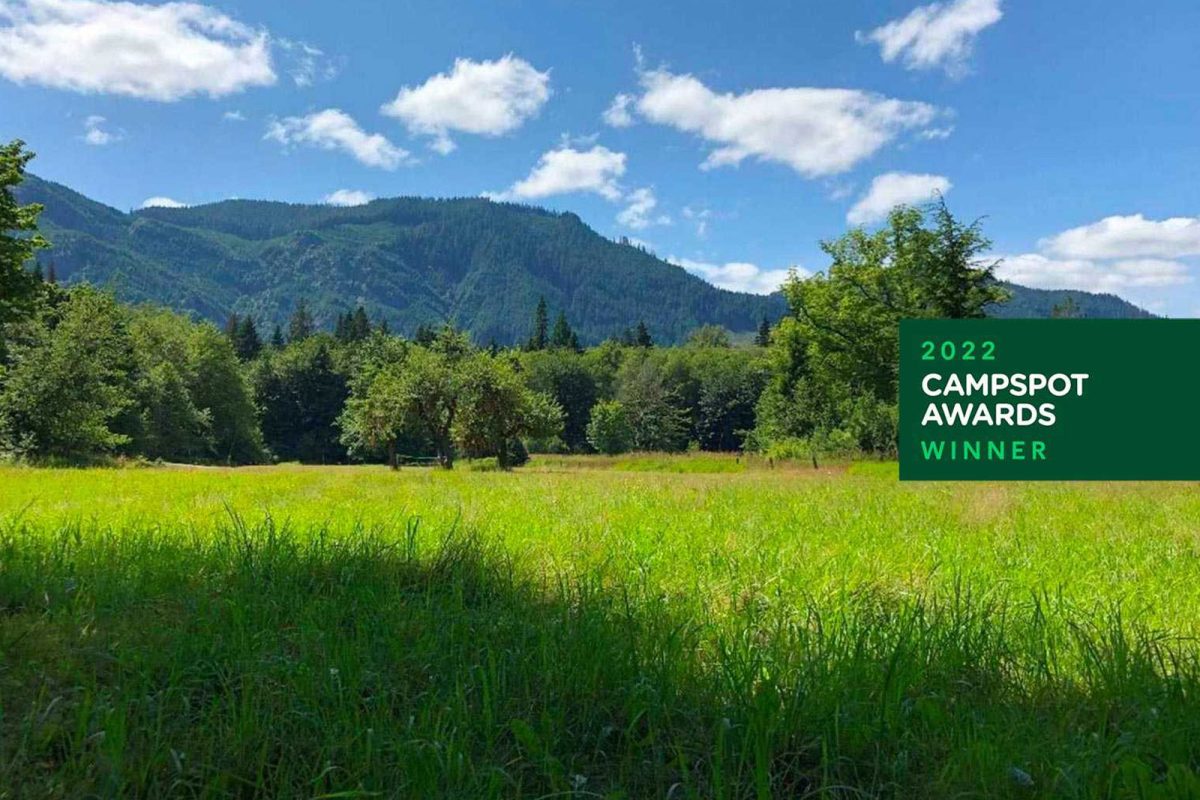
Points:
[(348, 197), (939, 35), (639, 214), (1128, 237), (568, 170), (233, 116), (934, 134), (700, 216), (94, 132), (487, 98), (894, 189), (307, 64), (154, 52), (162, 202), (617, 114), (737, 276), (1040, 272), (333, 129), (815, 131)]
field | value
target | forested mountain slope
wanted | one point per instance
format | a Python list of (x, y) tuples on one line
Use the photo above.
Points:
[(480, 264), (407, 260)]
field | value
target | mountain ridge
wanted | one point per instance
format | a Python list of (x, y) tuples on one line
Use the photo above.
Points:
[(407, 260)]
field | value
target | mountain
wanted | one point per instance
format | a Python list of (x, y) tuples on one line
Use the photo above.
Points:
[(407, 260), (1037, 303)]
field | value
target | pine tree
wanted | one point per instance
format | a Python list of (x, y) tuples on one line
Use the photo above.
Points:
[(51, 276), (384, 328), (301, 325), (358, 326), (246, 342), (231, 327), (277, 338), (764, 333), (425, 335), (541, 324), (561, 338), (642, 337), (341, 330)]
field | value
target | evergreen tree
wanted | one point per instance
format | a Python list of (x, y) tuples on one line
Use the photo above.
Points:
[(641, 337), (425, 335), (246, 342), (18, 288), (231, 326), (763, 338), (358, 326), (1067, 309), (51, 276), (277, 340), (384, 328), (301, 325), (341, 330), (561, 338), (541, 325)]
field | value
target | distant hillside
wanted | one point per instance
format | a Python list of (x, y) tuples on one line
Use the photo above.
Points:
[(407, 260), (1037, 303)]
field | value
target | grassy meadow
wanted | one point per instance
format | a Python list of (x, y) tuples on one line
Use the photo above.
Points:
[(683, 627)]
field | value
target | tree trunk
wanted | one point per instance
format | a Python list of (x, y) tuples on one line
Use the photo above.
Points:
[(392, 462)]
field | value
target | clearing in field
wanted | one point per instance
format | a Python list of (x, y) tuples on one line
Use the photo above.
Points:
[(594, 628)]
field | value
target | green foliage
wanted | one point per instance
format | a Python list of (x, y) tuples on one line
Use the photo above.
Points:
[(19, 240), (301, 393), (656, 417), (567, 378), (219, 387), (609, 430), (763, 337), (709, 336), (539, 338), (301, 324), (497, 410), (835, 365), (66, 392)]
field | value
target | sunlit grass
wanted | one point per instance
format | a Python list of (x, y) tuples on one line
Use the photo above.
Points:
[(636, 626)]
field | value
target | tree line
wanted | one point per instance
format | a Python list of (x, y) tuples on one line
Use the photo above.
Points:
[(84, 377)]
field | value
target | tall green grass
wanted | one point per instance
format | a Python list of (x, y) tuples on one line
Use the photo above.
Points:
[(592, 633)]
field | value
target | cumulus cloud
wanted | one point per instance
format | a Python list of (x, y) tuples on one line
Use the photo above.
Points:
[(162, 202), (737, 276), (894, 189), (486, 98), (333, 129), (233, 116), (1133, 237), (567, 170), (1040, 272), (816, 132), (95, 133), (639, 213), (154, 52), (939, 35), (617, 114), (348, 197)]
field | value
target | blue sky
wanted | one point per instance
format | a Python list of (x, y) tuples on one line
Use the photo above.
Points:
[(743, 135)]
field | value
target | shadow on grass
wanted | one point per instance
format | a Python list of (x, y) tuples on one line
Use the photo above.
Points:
[(263, 662)]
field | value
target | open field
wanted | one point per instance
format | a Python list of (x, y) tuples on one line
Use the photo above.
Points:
[(637, 628)]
